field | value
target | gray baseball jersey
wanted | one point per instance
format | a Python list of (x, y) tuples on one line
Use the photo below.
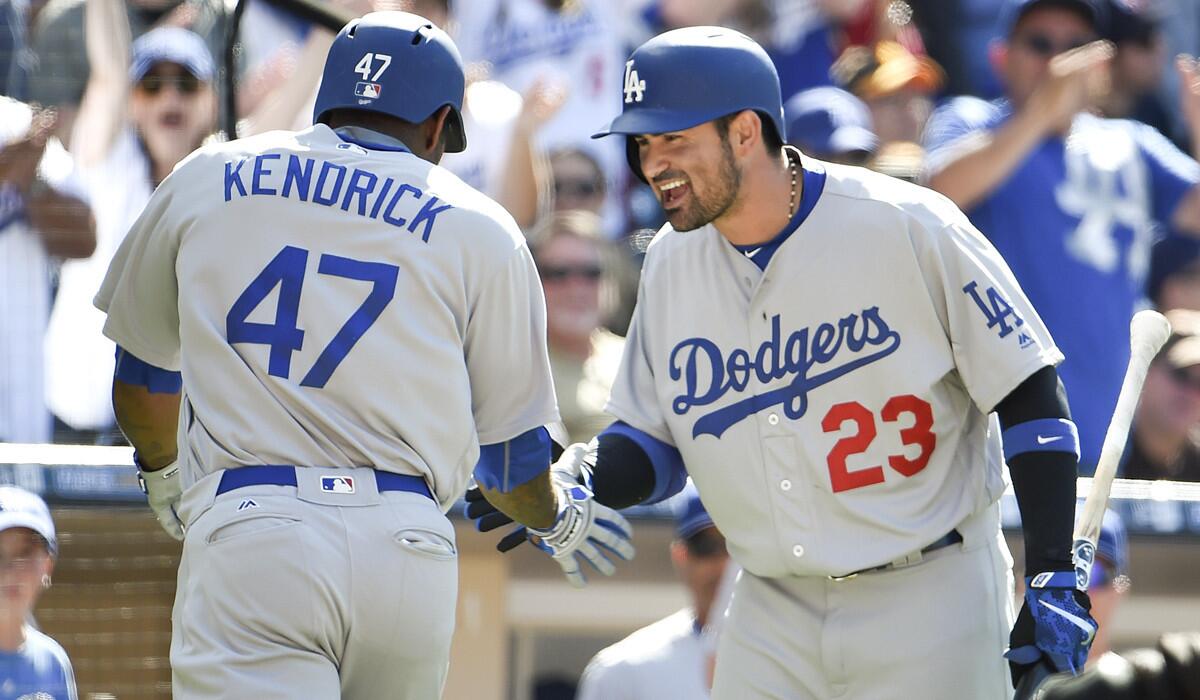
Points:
[(335, 307), (832, 409)]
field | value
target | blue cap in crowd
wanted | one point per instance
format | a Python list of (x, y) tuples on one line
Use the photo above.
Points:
[(21, 508), (1133, 20), (171, 45), (1014, 10), (1113, 546), (828, 121), (691, 517)]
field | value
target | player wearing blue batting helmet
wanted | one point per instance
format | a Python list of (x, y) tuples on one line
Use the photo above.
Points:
[(669, 84), (398, 64)]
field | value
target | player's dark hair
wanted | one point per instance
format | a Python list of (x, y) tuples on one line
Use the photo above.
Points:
[(771, 140)]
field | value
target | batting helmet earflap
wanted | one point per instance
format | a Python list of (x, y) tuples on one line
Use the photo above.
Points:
[(395, 63), (685, 77)]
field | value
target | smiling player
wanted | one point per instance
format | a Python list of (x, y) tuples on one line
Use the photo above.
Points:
[(821, 347)]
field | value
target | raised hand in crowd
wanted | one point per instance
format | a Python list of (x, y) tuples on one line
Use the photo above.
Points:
[(1075, 82), (526, 192), (19, 159)]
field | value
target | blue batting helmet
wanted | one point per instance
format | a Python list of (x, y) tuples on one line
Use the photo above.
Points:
[(395, 63), (685, 77)]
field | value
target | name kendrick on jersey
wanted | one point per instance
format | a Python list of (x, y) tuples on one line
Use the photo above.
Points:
[(855, 341), (333, 185)]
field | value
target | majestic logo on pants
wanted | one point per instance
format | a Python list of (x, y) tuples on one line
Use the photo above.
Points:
[(853, 342)]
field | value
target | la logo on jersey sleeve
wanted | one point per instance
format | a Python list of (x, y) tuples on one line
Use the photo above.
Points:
[(998, 312)]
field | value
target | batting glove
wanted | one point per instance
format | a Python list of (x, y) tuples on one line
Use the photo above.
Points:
[(163, 491), (584, 530), (574, 466), (1055, 626)]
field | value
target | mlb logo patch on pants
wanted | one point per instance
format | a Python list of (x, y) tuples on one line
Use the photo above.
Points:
[(337, 484)]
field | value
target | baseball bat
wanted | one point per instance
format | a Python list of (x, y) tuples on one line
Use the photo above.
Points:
[(1147, 332)]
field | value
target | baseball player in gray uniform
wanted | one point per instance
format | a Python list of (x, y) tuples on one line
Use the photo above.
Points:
[(356, 330), (823, 348)]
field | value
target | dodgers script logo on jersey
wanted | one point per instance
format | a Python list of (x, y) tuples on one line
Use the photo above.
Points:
[(853, 342)]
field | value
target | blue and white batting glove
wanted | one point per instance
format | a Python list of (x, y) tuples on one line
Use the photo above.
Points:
[(163, 491), (583, 531), (1055, 626), (574, 466)]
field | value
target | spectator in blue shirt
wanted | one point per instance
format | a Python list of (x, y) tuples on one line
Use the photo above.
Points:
[(1072, 201), (32, 665)]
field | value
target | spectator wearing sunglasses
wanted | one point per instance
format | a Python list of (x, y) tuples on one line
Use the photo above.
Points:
[(574, 260), (1070, 200), (579, 182), (57, 64), (667, 659), (1165, 439), (147, 105)]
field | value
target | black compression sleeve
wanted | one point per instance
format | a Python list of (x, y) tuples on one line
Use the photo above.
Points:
[(623, 475), (1044, 482)]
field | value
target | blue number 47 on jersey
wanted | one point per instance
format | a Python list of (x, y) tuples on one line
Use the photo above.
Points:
[(286, 271)]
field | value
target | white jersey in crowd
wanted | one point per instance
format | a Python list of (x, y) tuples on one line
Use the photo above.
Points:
[(577, 48), (662, 661), (335, 307), (79, 359), (489, 116), (832, 410), (25, 287)]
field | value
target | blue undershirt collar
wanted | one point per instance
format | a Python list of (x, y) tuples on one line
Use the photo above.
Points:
[(814, 183), (370, 139)]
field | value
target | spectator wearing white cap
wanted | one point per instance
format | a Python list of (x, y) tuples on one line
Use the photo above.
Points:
[(668, 659), (147, 105), (32, 665)]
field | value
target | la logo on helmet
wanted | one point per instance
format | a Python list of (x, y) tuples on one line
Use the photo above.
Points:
[(633, 86)]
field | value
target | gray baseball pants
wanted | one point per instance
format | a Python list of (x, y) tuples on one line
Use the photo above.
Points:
[(936, 629), (297, 592)]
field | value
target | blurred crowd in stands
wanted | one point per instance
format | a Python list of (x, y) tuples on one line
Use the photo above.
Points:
[(1067, 130)]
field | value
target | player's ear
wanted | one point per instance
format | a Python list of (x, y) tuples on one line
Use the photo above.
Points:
[(745, 132), (435, 136)]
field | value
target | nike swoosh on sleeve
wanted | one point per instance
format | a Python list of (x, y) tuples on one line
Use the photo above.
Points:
[(1047, 440)]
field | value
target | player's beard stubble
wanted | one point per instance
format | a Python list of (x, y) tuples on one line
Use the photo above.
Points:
[(719, 195)]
